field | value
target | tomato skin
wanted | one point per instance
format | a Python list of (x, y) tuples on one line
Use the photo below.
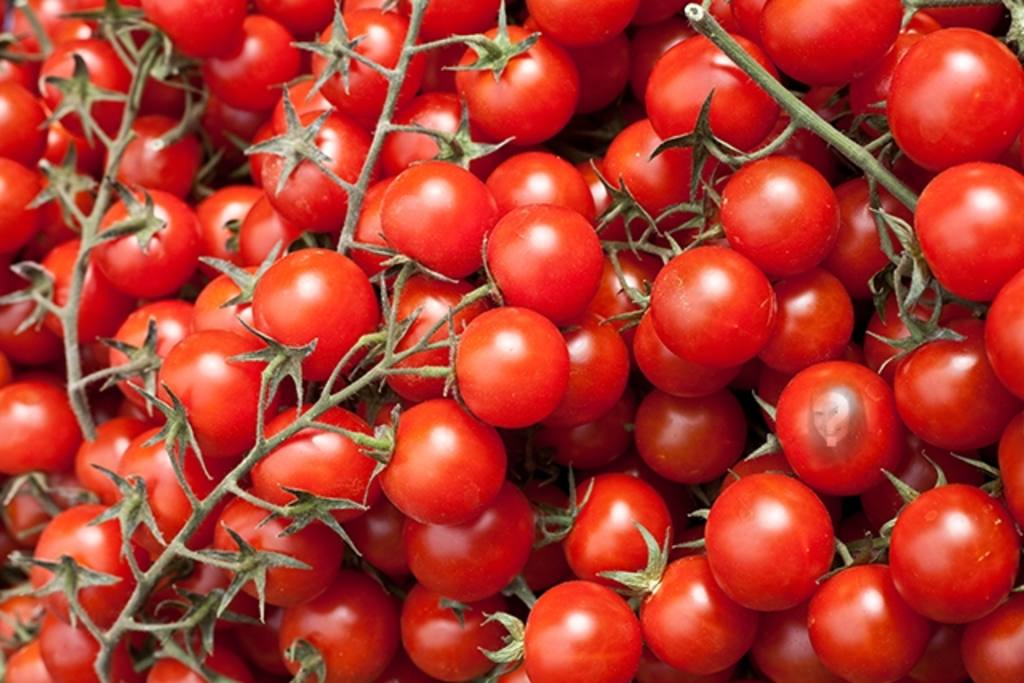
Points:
[(302, 17), (246, 76), (96, 547), (19, 223), (70, 654), (672, 373), (210, 313), (105, 71), (598, 372), (690, 624), (782, 649), (656, 183), (741, 113), (439, 111), (531, 178), (870, 91), (956, 97), (937, 534), (719, 326), (228, 204), (648, 43), (592, 444), (604, 536), (600, 636), (377, 533), (17, 609), (508, 345), (861, 627), (1004, 335), (690, 440), (639, 271), (1011, 466), (223, 661), (578, 23), (992, 645), (295, 302), (942, 661), (106, 450), (41, 430), (787, 546), (443, 646), (22, 121), (447, 467), (173, 321), (546, 258), (30, 347), (263, 229), (461, 561), (314, 545), (604, 72), (532, 100), (369, 231), (434, 199), (170, 168), (931, 382), (209, 30), (26, 666), (781, 214)]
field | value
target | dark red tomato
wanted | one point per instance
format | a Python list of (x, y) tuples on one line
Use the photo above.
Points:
[(582, 22), (259, 642), (26, 666), (769, 540), (220, 395), (149, 164), (438, 111), (604, 536), (380, 36), (314, 545), (302, 17), (932, 381), (442, 18), (690, 624), (981, 17), (263, 229), (781, 214), (956, 96), (512, 347), (782, 650), (545, 258), (967, 223), (532, 99), (41, 432), (430, 300), (173, 321), (639, 271), (879, 355), (649, 42), (653, 11), (671, 373), (1011, 465), (882, 503), (226, 125), (857, 254), (447, 644), (862, 629), (807, 147), (593, 444), (713, 307), (690, 440), (377, 533), (942, 661), (369, 231), (296, 301), (70, 654), (838, 426), (540, 178), (22, 122), (870, 91), (810, 39), (598, 371), (1004, 335), (940, 533), (19, 222), (814, 323), (598, 635), (993, 647), (93, 546), (212, 311), (354, 624), (320, 462), (604, 72), (655, 183), (105, 71), (147, 265), (653, 670), (106, 450), (462, 561), (247, 75), (222, 661), (446, 467), (546, 566), (741, 113), (436, 199), (309, 198), (210, 30), (219, 217)]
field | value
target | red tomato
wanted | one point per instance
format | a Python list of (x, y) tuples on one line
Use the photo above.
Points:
[(222, 661), (598, 371), (981, 17), (26, 666), (219, 217), (106, 450), (36, 345), (1004, 335), (70, 654), (782, 650), (377, 533), (870, 91), (41, 430), (301, 17), (442, 18), (582, 22), (671, 373), (247, 76), (992, 645), (172, 319), (769, 540), (649, 42), (1011, 466), (540, 178), (592, 444), (105, 71), (942, 661), (150, 164), (208, 30), (16, 613), (22, 122), (656, 183), (263, 229), (369, 231), (611, 300), (438, 111), (212, 311), (19, 221), (604, 72)]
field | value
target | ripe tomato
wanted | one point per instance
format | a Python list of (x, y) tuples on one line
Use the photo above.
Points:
[(212, 312), (296, 301), (105, 71), (671, 373), (438, 111), (540, 178), (354, 624), (932, 381), (150, 164), (684, 77), (219, 216), (599, 636), (22, 121), (222, 661), (992, 645), (611, 300), (781, 214), (598, 371), (447, 644), (782, 650), (532, 98), (106, 450), (301, 17), (447, 467), (26, 666), (861, 627), (769, 540), (173, 321), (649, 42), (16, 613), (604, 71), (870, 91), (41, 432), (579, 23), (442, 18), (263, 229), (209, 30), (70, 654), (1011, 466), (512, 346), (656, 183), (377, 533), (369, 231), (1004, 335), (19, 222), (956, 96), (713, 307), (36, 345), (942, 661), (936, 535), (690, 624), (592, 444), (247, 75)]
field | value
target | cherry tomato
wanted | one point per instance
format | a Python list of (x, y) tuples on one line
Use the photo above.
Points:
[(213, 312), (369, 231), (539, 178), (782, 650), (438, 111), (22, 121), (210, 30), (150, 164), (649, 42), (442, 18), (35, 345), (671, 373), (592, 444), (301, 17), (219, 217), (604, 72), (942, 661), (70, 653), (611, 300), (172, 319), (41, 430), (104, 69), (263, 229), (18, 613), (1004, 335), (222, 661), (598, 371), (992, 645), (1011, 465), (19, 221), (106, 451), (247, 75), (377, 533), (870, 91), (26, 666)]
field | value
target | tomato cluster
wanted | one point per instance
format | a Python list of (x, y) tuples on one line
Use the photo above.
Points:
[(542, 341)]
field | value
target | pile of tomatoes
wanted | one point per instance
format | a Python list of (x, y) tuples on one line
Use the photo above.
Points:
[(556, 341)]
